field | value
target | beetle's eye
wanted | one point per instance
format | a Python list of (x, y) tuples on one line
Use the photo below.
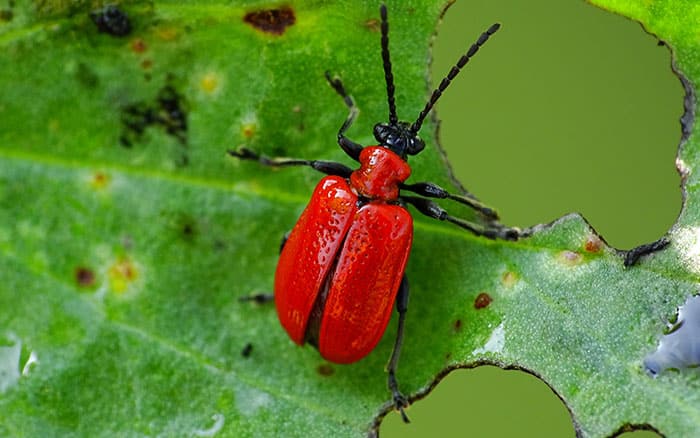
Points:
[(415, 146)]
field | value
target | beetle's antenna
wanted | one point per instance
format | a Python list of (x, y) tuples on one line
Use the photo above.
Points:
[(415, 127), (386, 60)]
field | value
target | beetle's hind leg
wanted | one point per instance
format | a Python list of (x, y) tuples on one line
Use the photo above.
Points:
[(265, 297), (400, 401), (258, 298)]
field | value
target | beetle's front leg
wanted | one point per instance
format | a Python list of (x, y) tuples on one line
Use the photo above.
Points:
[(400, 401), (350, 147), (327, 167)]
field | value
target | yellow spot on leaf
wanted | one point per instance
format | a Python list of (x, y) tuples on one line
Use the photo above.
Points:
[(99, 180), (509, 278), (122, 274), (248, 131), (167, 33), (210, 82)]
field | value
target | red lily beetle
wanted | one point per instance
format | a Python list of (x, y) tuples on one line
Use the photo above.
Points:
[(341, 268)]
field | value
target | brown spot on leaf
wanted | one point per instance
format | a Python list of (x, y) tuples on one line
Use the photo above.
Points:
[(593, 244), (146, 64), (457, 325), (482, 300), (372, 24), (138, 45), (248, 130), (85, 277), (99, 180), (325, 370), (274, 21)]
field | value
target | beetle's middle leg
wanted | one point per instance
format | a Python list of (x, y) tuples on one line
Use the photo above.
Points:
[(491, 231), (432, 190)]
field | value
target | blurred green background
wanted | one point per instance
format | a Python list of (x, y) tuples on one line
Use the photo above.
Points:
[(569, 108)]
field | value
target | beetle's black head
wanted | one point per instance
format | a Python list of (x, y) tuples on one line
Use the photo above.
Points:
[(402, 137), (399, 138)]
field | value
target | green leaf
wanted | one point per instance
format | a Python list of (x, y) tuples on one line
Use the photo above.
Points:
[(127, 234)]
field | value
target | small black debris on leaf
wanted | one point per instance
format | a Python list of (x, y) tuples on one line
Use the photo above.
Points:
[(111, 20), (633, 255), (247, 350)]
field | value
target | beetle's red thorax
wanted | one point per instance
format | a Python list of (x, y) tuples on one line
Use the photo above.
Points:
[(380, 174)]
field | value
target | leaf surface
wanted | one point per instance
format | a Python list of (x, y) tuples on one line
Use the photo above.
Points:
[(127, 234)]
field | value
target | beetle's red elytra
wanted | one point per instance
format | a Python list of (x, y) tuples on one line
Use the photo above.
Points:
[(342, 267)]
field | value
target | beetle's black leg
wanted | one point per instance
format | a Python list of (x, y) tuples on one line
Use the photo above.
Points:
[(262, 298), (327, 167), (350, 147), (431, 209), (259, 298), (400, 401), (285, 237), (431, 190)]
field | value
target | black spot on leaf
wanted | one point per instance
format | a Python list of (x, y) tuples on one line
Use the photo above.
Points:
[(167, 112), (325, 370), (247, 350)]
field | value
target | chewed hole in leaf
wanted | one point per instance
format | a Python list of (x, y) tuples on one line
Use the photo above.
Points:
[(493, 394), (591, 124), (680, 346)]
